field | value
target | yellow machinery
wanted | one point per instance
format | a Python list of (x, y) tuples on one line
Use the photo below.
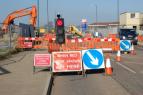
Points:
[(74, 30)]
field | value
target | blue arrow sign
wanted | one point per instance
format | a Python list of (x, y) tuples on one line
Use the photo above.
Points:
[(93, 58), (125, 45)]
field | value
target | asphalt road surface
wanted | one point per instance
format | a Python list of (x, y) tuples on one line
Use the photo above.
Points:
[(127, 79)]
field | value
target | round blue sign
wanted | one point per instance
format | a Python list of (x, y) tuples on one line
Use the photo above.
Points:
[(91, 56), (125, 45)]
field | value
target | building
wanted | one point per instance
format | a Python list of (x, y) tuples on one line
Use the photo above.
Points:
[(104, 27), (131, 20)]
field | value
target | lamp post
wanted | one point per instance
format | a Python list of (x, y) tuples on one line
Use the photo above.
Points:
[(118, 13), (38, 13), (47, 15), (38, 24), (96, 14), (96, 17)]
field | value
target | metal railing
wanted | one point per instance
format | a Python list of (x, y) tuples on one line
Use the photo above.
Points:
[(8, 38)]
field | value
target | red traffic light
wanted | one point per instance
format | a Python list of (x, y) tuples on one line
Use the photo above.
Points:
[(59, 22)]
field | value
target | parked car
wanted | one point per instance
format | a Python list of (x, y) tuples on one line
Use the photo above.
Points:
[(128, 34)]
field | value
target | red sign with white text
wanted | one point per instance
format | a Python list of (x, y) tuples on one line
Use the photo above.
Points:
[(28, 44), (67, 61), (42, 60)]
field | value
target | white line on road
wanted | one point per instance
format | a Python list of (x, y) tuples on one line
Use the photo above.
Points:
[(125, 67)]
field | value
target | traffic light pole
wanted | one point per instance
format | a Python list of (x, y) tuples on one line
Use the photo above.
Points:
[(60, 31)]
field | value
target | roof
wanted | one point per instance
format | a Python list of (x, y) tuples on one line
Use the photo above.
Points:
[(104, 23)]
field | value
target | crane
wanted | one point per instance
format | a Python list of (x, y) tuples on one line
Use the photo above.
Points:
[(32, 11)]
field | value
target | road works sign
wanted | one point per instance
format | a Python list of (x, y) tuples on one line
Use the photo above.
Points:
[(42, 60), (93, 59), (125, 45), (66, 61)]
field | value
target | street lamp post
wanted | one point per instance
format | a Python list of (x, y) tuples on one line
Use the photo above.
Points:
[(118, 13), (38, 14), (95, 29), (38, 24), (96, 14), (47, 15)]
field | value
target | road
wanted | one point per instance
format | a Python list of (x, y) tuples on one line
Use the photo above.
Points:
[(127, 79), (129, 72)]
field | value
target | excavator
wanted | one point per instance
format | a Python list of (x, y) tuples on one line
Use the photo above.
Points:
[(32, 11), (75, 31)]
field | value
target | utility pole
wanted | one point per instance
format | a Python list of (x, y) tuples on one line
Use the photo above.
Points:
[(38, 18), (96, 14), (118, 14), (47, 15)]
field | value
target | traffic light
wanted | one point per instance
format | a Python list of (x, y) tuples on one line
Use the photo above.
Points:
[(60, 31)]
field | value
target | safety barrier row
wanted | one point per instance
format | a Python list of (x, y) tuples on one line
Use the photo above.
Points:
[(107, 44), (25, 42), (35, 42), (140, 40)]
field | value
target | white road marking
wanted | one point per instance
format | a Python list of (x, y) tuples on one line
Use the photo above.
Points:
[(125, 67)]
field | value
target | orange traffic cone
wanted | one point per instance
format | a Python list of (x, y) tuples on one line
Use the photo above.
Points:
[(108, 67), (118, 57), (133, 50)]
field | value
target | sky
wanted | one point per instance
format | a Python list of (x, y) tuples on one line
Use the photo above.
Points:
[(73, 11)]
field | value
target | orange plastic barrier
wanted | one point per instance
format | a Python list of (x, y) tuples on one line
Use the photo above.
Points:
[(25, 42), (53, 47), (111, 44), (140, 38), (48, 42)]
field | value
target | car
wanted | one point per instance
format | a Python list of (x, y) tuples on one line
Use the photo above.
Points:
[(128, 34)]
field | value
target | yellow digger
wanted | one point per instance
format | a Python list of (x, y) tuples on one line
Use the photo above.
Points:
[(75, 31)]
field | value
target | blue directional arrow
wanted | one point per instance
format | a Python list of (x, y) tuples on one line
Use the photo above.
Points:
[(125, 45), (93, 59)]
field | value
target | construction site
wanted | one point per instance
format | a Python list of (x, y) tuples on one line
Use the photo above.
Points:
[(104, 58)]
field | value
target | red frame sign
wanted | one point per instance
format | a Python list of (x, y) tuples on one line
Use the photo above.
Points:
[(28, 44), (67, 61), (42, 60)]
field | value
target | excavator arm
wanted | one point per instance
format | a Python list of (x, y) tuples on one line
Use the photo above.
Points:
[(74, 30), (32, 11)]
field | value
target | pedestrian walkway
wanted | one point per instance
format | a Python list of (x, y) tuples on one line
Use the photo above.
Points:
[(17, 77)]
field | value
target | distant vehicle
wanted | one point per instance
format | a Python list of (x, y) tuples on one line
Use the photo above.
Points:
[(128, 34)]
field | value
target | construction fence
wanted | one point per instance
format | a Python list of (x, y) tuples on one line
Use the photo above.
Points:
[(48, 41), (8, 39)]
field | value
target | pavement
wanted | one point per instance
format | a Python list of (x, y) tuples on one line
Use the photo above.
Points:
[(17, 76)]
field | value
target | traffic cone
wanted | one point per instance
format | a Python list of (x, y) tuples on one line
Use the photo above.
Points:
[(133, 50), (108, 67), (118, 57)]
